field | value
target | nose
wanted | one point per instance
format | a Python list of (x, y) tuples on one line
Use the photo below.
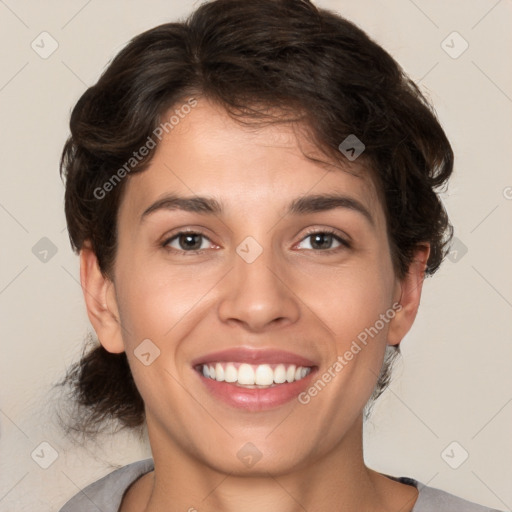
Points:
[(258, 295)]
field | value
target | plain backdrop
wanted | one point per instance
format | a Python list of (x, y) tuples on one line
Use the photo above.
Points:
[(451, 394)]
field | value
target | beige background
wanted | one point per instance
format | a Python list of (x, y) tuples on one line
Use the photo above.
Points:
[(455, 382)]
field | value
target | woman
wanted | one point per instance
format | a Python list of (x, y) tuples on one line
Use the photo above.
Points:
[(253, 197)]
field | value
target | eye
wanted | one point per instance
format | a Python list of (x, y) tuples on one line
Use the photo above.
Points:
[(186, 241), (192, 242), (322, 240)]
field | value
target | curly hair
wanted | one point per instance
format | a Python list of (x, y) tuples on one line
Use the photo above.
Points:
[(254, 59)]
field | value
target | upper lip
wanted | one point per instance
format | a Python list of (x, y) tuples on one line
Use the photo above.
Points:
[(254, 356)]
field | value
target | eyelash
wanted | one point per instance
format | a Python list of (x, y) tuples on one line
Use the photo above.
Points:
[(344, 243)]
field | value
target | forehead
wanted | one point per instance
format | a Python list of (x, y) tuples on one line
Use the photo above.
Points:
[(248, 167)]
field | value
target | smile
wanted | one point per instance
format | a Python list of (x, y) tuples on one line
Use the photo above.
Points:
[(254, 376), (254, 380)]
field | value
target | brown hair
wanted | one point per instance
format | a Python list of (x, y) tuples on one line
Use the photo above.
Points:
[(252, 58)]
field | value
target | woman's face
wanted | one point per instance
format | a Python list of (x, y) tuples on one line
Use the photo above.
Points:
[(277, 278)]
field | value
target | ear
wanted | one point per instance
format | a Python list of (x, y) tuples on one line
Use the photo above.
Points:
[(408, 294), (100, 300)]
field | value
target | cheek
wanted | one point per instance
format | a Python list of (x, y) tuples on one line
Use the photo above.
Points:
[(152, 299), (350, 299), (358, 319), (355, 304)]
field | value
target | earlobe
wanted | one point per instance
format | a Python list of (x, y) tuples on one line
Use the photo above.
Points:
[(408, 294), (100, 300)]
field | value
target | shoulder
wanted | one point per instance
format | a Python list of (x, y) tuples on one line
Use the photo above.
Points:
[(106, 493), (431, 499)]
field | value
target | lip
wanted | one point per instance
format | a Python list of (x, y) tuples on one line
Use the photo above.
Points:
[(253, 356), (254, 400)]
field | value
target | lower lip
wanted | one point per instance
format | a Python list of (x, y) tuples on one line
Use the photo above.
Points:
[(253, 399)]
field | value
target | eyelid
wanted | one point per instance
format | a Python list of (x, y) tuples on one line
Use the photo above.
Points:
[(175, 234), (344, 239)]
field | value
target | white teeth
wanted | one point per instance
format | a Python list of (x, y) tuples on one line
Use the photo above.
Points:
[(290, 373), (219, 372), (264, 375), (231, 373), (280, 374), (245, 374), (254, 375)]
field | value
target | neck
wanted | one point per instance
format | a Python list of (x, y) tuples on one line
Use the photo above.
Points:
[(338, 480)]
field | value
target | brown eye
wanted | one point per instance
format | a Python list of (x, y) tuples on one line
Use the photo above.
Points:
[(186, 241), (324, 240)]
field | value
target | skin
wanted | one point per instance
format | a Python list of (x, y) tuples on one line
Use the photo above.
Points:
[(294, 296)]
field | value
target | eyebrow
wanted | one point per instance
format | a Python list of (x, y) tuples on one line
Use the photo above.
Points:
[(300, 206)]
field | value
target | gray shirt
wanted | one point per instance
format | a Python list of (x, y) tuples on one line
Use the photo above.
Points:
[(106, 494)]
